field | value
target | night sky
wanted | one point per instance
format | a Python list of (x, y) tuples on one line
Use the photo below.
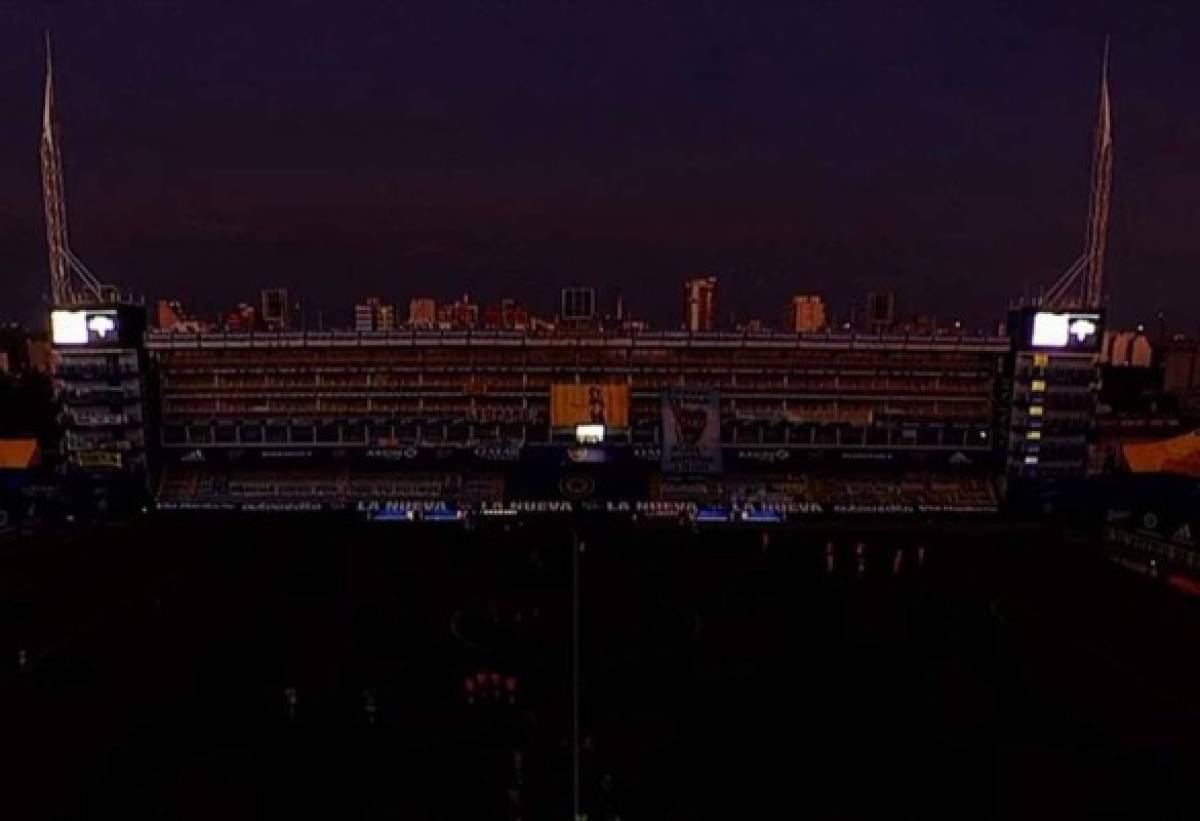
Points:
[(940, 148)]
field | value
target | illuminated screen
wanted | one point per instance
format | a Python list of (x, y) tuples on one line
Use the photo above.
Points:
[(1050, 330), (87, 327), (1065, 330), (68, 327)]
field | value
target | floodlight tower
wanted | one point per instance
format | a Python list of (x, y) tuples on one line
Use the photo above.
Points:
[(71, 283), (1082, 285)]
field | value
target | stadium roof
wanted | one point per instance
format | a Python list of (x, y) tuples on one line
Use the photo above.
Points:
[(1179, 454), (18, 454)]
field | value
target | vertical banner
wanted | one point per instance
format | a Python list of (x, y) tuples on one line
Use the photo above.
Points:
[(691, 426)]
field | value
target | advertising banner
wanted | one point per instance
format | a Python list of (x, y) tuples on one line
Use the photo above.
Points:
[(691, 426), (594, 403), (106, 459)]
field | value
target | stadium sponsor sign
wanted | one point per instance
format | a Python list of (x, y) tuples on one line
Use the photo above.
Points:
[(691, 425), (283, 507), (586, 455), (392, 454), (1153, 545), (664, 508), (498, 453), (887, 508), (957, 508), (764, 456), (698, 489), (493, 415), (397, 505), (530, 506), (103, 459)]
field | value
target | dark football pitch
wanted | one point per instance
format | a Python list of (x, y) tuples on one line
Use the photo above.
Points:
[(241, 667)]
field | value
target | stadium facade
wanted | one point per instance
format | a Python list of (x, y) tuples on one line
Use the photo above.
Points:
[(356, 417)]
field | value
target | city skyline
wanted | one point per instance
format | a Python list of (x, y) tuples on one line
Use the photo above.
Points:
[(337, 234)]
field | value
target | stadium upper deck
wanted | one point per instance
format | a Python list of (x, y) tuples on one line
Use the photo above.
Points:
[(370, 391)]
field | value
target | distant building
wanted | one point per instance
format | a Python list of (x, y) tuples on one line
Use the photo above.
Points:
[(881, 311), (39, 354), (807, 314), (577, 305), (242, 319), (462, 314), (541, 325), (700, 304), (422, 312), (12, 347), (374, 315), (23, 351), (1181, 372), (754, 326), (276, 309), (170, 315), (1126, 349), (505, 315)]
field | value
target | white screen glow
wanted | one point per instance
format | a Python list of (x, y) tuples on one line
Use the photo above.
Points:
[(589, 434), (68, 327), (1051, 330)]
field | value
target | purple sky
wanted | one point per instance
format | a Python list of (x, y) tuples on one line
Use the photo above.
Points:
[(940, 148)]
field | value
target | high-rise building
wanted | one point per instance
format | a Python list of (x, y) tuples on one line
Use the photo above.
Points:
[(422, 312), (807, 314), (276, 309), (578, 305), (374, 315), (700, 304), (881, 311)]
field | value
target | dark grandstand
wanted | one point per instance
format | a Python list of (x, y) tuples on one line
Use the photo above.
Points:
[(339, 417)]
